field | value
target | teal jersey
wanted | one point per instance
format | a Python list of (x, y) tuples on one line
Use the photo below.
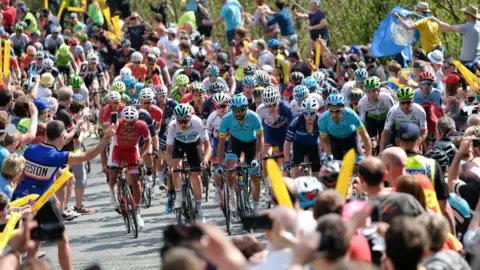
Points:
[(246, 132), (350, 123)]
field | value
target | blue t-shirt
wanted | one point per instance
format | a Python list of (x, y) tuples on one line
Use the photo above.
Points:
[(5, 187), (246, 132), (43, 161), (285, 22), (350, 123), (434, 98), (3, 154), (191, 5), (232, 14), (297, 132)]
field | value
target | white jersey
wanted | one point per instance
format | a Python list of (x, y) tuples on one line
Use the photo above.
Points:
[(397, 116), (295, 108), (377, 111), (346, 90), (196, 131), (213, 124)]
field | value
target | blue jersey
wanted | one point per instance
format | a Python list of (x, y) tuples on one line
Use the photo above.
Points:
[(170, 105), (246, 132), (42, 162), (280, 124), (297, 132), (350, 123), (434, 98), (147, 118)]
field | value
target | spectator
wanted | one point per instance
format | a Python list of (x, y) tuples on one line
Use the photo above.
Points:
[(263, 56), (25, 15), (136, 27), (284, 20), (181, 258), (161, 9), (371, 173), (78, 26), (374, 68), (328, 202), (8, 15), (409, 184), (436, 60), (6, 100), (317, 21), (12, 172), (95, 15), (170, 50), (269, 32)]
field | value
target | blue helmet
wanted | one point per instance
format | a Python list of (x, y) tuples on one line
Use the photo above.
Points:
[(310, 83), (250, 81), (360, 75), (213, 70), (129, 81), (300, 92), (273, 43), (238, 101), (134, 102), (336, 100)]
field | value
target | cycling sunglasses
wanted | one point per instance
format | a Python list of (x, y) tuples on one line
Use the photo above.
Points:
[(271, 105), (406, 102), (129, 124), (221, 106), (136, 63), (335, 111), (183, 121), (239, 110), (426, 83), (147, 102), (309, 113)]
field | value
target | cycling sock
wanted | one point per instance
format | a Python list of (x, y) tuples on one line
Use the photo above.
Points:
[(255, 206), (198, 203), (149, 171), (230, 188), (218, 190)]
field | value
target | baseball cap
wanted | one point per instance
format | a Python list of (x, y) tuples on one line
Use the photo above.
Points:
[(420, 54), (73, 15), (41, 104), (408, 132), (452, 79), (370, 59), (22, 8), (354, 49), (172, 30), (77, 96), (398, 204)]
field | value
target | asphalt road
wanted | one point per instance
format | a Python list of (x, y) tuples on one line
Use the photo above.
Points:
[(101, 238)]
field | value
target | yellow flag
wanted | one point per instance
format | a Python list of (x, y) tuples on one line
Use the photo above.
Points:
[(51, 191), (318, 50), (23, 201), (279, 189), (76, 9), (116, 26), (345, 173), (471, 79), (6, 59), (62, 7), (1, 62), (12, 221), (107, 15), (113, 38), (45, 4)]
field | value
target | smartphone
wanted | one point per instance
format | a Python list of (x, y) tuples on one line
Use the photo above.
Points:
[(259, 222), (476, 142), (114, 117), (470, 99), (48, 232), (175, 234)]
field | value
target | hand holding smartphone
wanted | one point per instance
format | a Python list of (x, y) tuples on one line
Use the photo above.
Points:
[(259, 222), (114, 118)]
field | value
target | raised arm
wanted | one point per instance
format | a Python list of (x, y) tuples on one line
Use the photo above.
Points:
[(445, 26), (404, 24)]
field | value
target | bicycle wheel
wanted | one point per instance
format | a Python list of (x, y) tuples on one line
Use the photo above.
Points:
[(226, 208), (123, 209), (190, 203), (179, 215), (241, 201), (131, 212), (205, 182)]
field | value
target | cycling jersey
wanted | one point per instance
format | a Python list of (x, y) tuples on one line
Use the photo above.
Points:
[(208, 107), (246, 132), (397, 116), (90, 75), (297, 132), (34, 69), (150, 75), (434, 97), (377, 111), (295, 108), (107, 111), (147, 118), (193, 133), (156, 113), (175, 94), (346, 90), (269, 122), (170, 105), (349, 125), (138, 88), (64, 61), (127, 141), (138, 71)]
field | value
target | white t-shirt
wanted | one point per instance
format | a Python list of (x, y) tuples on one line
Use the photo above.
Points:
[(196, 131)]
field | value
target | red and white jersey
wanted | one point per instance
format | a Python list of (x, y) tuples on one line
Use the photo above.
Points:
[(156, 113), (129, 140), (107, 111)]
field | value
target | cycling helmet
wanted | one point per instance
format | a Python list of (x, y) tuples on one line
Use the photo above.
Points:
[(297, 77), (182, 111), (257, 91), (78, 50), (125, 72), (152, 58), (440, 156), (405, 93), (449, 148), (31, 50), (119, 86), (182, 80), (310, 105), (18, 28), (134, 103), (360, 75), (263, 78), (73, 41), (187, 62), (308, 187), (356, 94), (76, 81), (300, 92), (38, 46), (137, 57), (47, 63), (329, 90), (220, 98), (310, 83), (426, 76), (268, 69), (319, 91), (155, 51), (39, 55), (250, 81), (92, 57), (325, 72), (238, 101), (213, 70), (145, 49), (55, 29), (329, 173), (216, 87), (270, 95), (198, 87), (130, 114), (126, 43), (129, 82), (113, 96), (336, 100), (371, 83), (273, 43), (149, 85), (147, 94), (249, 70), (161, 91), (83, 37), (318, 76), (63, 50), (222, 57)]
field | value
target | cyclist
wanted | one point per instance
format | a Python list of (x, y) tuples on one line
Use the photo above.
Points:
[(120, 87), (303, 132), (92, 73), (154, 74), (186, 135), (374, 107), (181, 87), (79, 87), (355, 96), (66, 61), (192, 74), (405, 111), (124, 72), (263, 78), (249, 83), (77, 51), (132, 87), (213, 127), (139, 70), (198, 99), (27, 58), (315, 90), (36, 65), (244, 138), (48, 66), (360, 75), (296, 79), (125, 150), (307, 188), (300, 93), (339, 126), (85, 43), (257, 95), (213, 73)]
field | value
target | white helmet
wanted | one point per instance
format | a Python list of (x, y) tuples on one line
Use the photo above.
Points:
[(125, 71), (220, 98), (137, 57), (114, 96), (147, 94), (155, 51), (307, 189), (310, 104), (270, 95), (161, 91), (130, 114), (92, 57)]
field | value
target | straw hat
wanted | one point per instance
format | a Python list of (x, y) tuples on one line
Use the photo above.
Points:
[(423, 6), (471, 10)]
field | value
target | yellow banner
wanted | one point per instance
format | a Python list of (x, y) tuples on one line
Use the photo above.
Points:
[(1, 62), (45, 4), (113, 37), (318, 50), (51, 191), (6, 59), (345, 173), (116, 26), (12, 221), (279, 189), (471, 79), (23, 201), (62, 7), (76, 9), (107, 15)]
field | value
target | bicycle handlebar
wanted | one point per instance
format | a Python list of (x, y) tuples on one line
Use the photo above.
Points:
[(274, 157), (305, 164), (186, 170)]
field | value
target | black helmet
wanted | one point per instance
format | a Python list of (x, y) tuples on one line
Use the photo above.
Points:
[(449, 148), (297, 77), (329, 173), (216, 87), (249, 70), (222, 57)]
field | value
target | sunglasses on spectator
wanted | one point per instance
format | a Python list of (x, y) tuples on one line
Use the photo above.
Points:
[(223, 106), (406, 102), (335, 111), (183, 121), (309, 113), (427, 83), (31, 55), (446, 67), (239, 110)]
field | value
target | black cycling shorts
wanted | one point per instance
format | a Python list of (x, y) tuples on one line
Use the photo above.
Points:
[(340, 147), (311, 151), (236, 147), (192, 150), (374, 127)]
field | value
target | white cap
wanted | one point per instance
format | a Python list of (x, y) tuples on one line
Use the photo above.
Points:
[(436, 57)]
